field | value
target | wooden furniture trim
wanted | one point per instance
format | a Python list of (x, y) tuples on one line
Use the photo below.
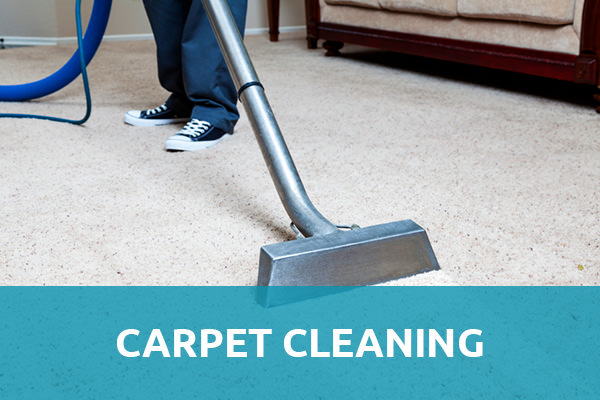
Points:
[(273, 13), (590, 28), (313, 17), (588, 61)]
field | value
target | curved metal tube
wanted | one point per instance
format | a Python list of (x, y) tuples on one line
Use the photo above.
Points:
[(275, 152), (72, 69)]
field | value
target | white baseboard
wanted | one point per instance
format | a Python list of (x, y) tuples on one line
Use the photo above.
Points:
[(122, 38), (28, 41), (282, 29), (44, 41)]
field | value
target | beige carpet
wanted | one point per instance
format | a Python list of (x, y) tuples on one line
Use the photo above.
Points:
[(503, 171)]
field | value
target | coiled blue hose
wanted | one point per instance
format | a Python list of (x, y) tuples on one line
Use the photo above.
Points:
[(87, 44)]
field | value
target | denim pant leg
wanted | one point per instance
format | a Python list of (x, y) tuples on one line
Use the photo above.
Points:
[(206, 78), (167, 19)]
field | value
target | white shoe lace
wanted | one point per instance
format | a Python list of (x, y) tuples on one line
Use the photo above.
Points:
[(195, 128), (157, 110)]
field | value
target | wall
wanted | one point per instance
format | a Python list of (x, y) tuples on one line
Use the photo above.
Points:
[(30, 18), (292, 14), (27, 18)]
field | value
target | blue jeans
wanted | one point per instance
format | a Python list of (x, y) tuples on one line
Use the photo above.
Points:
[(190, 64)]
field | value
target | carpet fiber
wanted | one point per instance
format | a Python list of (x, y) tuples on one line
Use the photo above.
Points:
[(502, 170)]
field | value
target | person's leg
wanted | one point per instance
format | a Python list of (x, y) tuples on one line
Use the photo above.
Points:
[(168, 19), (206, 78)]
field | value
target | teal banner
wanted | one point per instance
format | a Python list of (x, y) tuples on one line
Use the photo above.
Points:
[(361, 343)]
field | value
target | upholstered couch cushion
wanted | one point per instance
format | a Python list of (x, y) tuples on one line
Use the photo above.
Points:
[(445, 8), (578, 16), (553, 38), (555, 12)]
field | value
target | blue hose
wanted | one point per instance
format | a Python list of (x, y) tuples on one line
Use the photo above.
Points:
[(87, 46), (72, 69)]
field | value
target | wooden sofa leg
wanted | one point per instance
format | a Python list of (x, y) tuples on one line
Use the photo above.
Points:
[(273, 13), (597, 98), (333, 48), (311, 43)]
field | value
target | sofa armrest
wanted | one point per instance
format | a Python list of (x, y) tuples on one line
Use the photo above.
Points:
[(586, 68)]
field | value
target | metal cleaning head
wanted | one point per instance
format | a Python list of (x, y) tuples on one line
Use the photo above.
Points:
[(328, 257), (362, 256)]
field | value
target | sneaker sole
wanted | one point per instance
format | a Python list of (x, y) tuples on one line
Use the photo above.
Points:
[(152, 122), (179, 145)]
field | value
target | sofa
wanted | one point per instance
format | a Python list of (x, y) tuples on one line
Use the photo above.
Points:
[(557, 39)]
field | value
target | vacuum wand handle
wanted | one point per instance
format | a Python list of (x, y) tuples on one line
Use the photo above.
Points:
[(291, 191)]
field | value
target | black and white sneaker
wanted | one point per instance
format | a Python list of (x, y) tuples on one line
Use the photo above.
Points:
[(161, 115), (195, 135)]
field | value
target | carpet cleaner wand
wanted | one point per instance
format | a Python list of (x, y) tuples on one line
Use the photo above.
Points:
[(327, 255)]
